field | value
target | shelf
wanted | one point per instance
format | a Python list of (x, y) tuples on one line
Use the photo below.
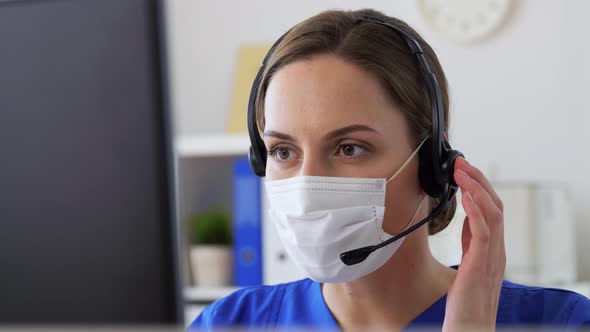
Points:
[(214, 145), (207, 294)]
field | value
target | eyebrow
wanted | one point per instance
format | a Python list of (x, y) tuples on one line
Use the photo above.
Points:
[(347, 130), (330, 136), (278, 135)]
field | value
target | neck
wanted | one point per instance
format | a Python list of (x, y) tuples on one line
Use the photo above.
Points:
[(394, 295)]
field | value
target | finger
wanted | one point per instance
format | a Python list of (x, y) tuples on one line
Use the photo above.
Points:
[(500, 254), (493, 219), (492, 214), (477, 175), (480, 233), (465, 235), (476, 254)]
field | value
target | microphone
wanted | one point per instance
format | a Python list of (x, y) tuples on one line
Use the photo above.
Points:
[(358, 255)]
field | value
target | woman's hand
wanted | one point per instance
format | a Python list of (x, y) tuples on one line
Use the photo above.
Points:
[(472, 300)]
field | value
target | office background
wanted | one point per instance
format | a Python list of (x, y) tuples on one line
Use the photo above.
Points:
[(519, 102)]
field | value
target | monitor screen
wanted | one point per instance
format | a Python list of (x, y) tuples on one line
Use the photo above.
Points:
[(87, 211)]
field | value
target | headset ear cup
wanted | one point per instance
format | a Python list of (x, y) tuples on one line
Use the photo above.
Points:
[(426, 171), (449, 166), (258, 166)]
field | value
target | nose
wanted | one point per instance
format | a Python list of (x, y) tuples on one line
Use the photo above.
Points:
[(313, 166)]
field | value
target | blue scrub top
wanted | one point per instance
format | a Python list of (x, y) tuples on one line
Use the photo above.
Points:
[(300, 306)]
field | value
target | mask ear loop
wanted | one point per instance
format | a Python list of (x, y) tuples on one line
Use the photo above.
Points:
[(411, 222), (407, 161)]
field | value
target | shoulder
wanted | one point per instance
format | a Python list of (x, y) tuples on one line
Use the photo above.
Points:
[(542, 305), (256, 306)]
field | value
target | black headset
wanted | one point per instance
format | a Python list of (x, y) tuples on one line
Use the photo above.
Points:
[(436, 157)]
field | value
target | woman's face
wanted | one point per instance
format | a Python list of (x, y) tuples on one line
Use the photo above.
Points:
[(327, 117)]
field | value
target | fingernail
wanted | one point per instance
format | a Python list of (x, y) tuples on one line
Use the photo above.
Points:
[(462, 173), (469, 197)]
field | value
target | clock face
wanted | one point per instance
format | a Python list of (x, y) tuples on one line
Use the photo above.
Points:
[(465, 21)]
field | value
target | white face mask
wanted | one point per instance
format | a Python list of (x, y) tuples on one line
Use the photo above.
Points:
[(318, 218)]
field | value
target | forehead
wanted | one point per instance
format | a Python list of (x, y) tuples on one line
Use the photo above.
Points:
[(326, 92)]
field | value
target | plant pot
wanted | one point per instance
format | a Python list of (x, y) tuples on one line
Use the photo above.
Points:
[(211, 265)]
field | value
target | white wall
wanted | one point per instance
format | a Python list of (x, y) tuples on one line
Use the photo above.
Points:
[(519, 100), (576, 54)]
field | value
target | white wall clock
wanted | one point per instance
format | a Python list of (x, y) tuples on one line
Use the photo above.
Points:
[(465, 21)]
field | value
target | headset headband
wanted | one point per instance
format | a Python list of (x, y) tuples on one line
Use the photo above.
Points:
[(439, 148)]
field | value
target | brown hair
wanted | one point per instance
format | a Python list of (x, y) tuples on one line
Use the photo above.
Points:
[(381, 51)]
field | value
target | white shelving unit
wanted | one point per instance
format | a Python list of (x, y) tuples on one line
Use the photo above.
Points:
[(205, 179)]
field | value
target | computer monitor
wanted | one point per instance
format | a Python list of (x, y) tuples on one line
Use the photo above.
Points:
[(88, 229)]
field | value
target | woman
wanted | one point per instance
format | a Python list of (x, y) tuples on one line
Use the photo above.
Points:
[(343, 110)]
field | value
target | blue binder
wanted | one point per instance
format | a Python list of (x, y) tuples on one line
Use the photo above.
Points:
[(247, 225)]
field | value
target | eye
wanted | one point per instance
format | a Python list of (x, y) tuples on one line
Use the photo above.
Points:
[(280, 153), (351, 150)]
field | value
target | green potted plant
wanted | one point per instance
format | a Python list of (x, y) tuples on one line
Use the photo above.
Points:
[(210, 235)]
